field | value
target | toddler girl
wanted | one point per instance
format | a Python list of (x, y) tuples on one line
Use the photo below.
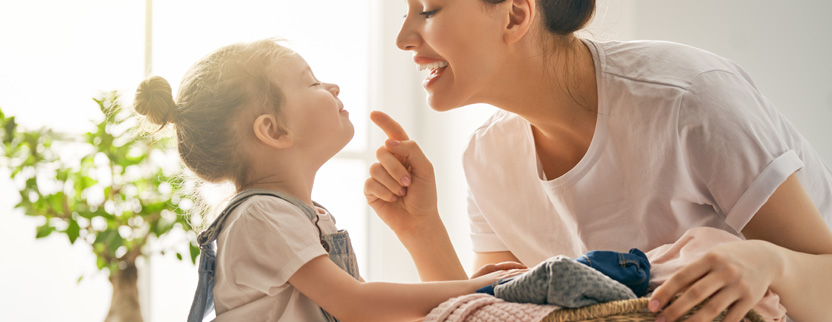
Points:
[(255, 115)]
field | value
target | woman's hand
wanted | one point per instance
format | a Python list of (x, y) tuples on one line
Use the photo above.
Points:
[(732, 276), (402, 187)]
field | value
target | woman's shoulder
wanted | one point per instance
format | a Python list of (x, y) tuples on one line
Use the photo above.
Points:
[(488, 145), (501, 127), (658, 63), (501, 121)]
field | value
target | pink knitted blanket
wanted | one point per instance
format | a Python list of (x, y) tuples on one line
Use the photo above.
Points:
[(480, 307)]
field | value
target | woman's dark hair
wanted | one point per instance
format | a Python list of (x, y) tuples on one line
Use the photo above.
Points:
[(563, 17)]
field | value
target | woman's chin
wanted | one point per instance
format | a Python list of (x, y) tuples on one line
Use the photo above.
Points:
[(441, 105)]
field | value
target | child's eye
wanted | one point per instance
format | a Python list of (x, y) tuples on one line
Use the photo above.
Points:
[(428, 14), (316, 83)]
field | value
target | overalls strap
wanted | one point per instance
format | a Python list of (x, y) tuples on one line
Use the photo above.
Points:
[(203, 299)]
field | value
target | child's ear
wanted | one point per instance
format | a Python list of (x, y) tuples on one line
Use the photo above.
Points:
[(269, 132)]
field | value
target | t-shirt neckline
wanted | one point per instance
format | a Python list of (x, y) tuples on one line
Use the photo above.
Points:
[(599, 136)]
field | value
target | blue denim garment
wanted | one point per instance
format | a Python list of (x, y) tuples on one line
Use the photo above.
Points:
[(631, 269), (338, 246), (489, 289)]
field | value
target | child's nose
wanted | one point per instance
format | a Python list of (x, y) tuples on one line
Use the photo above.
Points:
[(334, 89)]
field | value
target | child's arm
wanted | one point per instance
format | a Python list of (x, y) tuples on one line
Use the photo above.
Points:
[(350, 300)]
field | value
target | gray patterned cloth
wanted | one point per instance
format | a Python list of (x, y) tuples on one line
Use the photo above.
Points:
[(564, 282)]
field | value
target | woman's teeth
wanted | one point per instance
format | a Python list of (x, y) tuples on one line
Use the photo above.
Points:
[(433, 65)]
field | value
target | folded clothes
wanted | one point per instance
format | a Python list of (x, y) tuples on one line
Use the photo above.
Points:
[(575, 283), (564, 282), (631, 269)]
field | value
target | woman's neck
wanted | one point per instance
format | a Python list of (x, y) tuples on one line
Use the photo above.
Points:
[(562, 97), (560, 102)]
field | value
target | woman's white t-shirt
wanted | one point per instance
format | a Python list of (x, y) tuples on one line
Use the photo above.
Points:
[(683, 139), (262, 244)]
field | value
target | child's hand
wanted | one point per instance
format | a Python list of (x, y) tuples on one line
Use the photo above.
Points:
[(496, 276), (401, 188), (490, 268)]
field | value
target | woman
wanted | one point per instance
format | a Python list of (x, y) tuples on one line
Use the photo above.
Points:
[(607, 146)]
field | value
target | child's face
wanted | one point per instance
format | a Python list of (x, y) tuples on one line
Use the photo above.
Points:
[(313, 113)]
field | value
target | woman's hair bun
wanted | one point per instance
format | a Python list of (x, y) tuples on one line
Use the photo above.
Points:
[(155, 101), (564, 17)]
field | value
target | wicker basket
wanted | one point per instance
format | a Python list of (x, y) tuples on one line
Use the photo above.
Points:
[(634, 310)]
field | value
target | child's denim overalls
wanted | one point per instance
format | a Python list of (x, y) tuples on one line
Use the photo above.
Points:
[(338, 246)]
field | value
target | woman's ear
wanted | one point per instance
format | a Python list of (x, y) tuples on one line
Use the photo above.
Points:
[(521, 14), (269, 132)]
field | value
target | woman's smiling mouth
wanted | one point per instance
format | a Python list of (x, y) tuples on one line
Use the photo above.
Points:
[(432, 66), (436, 70)]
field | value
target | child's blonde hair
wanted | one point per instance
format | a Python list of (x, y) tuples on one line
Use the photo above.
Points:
[(228, 86)]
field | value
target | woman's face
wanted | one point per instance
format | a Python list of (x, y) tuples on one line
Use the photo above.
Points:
[(460, 44)]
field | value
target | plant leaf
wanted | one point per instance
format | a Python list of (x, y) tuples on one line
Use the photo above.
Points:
[(44, 231), (194, 252), (100, 262), (73, 230), (140, 204)]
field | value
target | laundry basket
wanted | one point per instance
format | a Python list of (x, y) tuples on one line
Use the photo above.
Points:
[(634, 310)]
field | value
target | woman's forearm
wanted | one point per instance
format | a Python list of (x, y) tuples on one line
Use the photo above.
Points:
[(433, 253), (804, 285)]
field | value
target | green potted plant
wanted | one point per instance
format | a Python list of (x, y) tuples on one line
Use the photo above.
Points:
[(117, 196)]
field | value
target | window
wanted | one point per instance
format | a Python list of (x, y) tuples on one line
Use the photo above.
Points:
[(67, 52), (54, 57)]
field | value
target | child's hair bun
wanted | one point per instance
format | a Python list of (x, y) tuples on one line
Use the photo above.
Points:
[(155, 101)]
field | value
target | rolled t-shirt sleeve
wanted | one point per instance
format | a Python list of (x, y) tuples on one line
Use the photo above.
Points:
[(269, 241), (734, 143), (483, 237)]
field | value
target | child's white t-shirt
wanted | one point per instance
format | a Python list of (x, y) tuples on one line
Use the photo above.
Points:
[(262, 244), (683, 139)]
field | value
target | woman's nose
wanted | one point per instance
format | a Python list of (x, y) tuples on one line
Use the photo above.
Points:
[(408, 38)]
